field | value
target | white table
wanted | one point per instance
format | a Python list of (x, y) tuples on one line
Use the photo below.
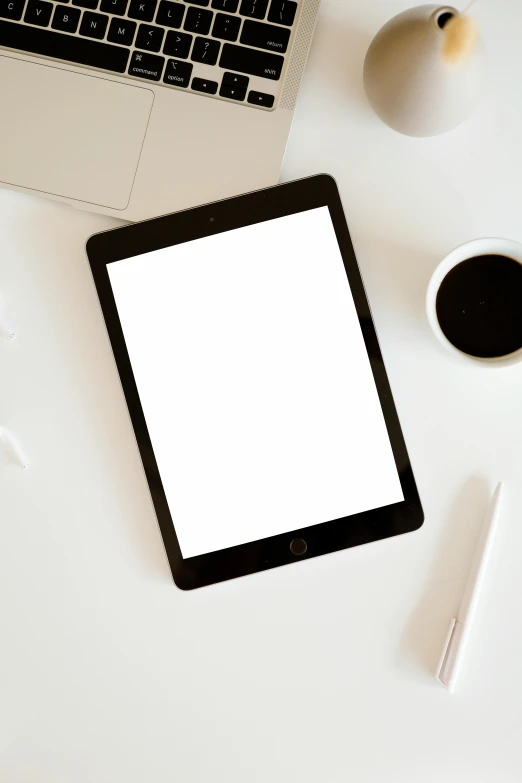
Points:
[(318, 672)]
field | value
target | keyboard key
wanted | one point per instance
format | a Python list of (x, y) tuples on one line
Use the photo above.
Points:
[(203, 85), (11, 9), (117, 7), (178, 73), (229, 91), (149, 38), (63, 47), (177, 44), (226, 5), (121, 31), (261, 99), (92, 4), (254, 8), (94, 25), (226, 27), (265, 36), (256, 63), (205, 51), (198, 21), (38, 12), (170, 14), (146, 66), (66, 18), (143, 10), (282, 12), (198, 2), (235, 80)]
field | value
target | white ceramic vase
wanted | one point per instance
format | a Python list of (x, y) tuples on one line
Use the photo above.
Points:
[(409, 83)]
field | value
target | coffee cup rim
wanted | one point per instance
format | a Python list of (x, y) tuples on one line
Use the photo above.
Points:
[(475, 247)]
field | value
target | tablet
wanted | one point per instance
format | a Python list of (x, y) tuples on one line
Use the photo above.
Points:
[(254, 381)]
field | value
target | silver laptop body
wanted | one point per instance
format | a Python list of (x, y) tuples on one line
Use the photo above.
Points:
[(136, 108)]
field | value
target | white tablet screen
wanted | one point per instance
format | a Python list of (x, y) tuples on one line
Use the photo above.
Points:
[(255, 382)]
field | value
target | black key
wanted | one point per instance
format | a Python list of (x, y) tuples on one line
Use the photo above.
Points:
[(254, 8), (235, 80), (66, 18), (282, 12), (149, 38), (143, 10), (94, 25), (261, 99), (239, 58), (177, 44), (121, 31), (226, 5), (229, 91), (92, 4), (265, 36), (146, 66), (226, 27), (205, 51), (198, 21), (11, 9), (178, 73), (203, 85), (38, 12), (117, 7), (170, 14), (63, 47), (198, 2)]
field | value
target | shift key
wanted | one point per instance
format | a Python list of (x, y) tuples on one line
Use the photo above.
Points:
[(256, 63)]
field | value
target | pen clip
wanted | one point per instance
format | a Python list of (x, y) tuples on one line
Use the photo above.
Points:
[(442, 667), (452, 654)]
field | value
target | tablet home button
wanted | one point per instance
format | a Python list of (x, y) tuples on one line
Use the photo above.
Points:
[(298, 546)]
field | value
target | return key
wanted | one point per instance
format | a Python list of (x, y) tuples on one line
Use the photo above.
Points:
[(265, 36)]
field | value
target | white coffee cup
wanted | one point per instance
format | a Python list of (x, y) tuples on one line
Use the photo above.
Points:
[(477, 247)]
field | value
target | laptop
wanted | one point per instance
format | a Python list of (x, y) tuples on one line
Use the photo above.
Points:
[(137, 108)]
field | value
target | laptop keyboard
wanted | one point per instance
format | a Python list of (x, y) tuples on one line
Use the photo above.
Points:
[(231, 49)]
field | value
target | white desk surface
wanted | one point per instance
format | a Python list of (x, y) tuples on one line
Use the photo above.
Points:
[(317, 672)]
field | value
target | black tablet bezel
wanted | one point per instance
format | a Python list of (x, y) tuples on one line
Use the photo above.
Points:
[(287, 199)]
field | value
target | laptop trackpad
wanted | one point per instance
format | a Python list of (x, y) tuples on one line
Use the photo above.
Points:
[(70, 134)]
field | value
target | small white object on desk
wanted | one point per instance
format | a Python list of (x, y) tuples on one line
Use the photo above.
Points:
[(460, 626), (6, 331), (12, 448)]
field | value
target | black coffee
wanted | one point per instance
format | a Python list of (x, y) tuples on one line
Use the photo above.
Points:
[(479, 306)]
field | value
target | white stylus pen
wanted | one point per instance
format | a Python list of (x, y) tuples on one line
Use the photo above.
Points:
[(460, 626)]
